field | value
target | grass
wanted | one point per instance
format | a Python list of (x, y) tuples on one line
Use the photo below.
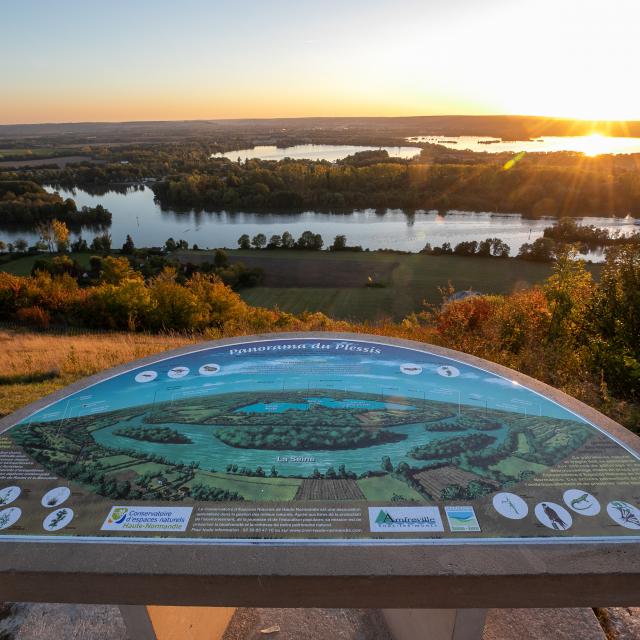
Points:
[(513, 466), (22, 266), (358, 304), (385, 488), (277, 489), (58, 360), (523, 444), (335, 283)]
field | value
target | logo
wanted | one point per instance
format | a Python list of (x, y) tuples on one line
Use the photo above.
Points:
[(399, 519), (147, 519), (117, 515), (462, 519)]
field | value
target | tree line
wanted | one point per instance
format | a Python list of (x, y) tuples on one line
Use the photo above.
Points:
[(24, 203)]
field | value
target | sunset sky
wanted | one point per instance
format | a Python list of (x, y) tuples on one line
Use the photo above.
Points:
[(78, 60)]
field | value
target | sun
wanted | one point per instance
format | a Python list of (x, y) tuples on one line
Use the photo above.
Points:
[(595, 144)]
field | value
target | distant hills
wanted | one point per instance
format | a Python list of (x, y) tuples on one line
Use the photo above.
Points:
[(506, 127)]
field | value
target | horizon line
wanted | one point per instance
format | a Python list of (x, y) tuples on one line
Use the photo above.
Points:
[(333, 117)]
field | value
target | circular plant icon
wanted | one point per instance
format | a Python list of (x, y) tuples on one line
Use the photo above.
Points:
[(625, 514), (9, 517), (510, 506), (57, 519), (55, 497), (8, 495)]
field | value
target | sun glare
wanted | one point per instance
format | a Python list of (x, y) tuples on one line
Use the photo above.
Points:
[(595, 144)]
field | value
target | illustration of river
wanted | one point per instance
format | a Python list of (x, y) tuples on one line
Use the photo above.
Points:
[(214, 454)]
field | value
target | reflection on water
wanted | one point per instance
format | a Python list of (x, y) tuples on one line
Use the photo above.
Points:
[(589, 145), (136, 213), (330, 152)]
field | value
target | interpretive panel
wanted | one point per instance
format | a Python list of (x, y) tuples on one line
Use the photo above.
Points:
[(314, 440)]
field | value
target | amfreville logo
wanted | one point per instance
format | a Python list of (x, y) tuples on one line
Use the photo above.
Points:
[(400, 519)]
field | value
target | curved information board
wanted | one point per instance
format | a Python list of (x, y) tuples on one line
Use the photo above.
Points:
[(311, 440)]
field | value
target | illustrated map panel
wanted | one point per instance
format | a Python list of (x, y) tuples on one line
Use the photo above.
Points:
[(314, 440)]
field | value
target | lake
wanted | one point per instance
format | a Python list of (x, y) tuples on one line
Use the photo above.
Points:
[(330, 152), (137, 214), (590, 145)]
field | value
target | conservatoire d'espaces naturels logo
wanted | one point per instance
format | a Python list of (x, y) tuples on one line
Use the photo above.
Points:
[(399, 519), (147, 519), (117, 515)]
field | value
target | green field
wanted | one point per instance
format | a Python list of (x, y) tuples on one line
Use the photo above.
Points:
[(514, 466), (523, 444), (385, 488), (22, 266), (249, 488), (335, 283)]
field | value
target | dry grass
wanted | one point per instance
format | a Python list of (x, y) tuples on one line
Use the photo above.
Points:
[(35, 364)]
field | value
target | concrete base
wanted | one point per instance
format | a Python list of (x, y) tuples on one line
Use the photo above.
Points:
[(543, 624), (435, 624)]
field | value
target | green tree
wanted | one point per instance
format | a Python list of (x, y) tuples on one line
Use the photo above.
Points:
[(128, 247), (614, 321), (101, 243), (287, 241), (339, 243), (244, 241), (259, 240)]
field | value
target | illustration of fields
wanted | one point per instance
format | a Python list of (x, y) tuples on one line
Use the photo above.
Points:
[(320, 444)]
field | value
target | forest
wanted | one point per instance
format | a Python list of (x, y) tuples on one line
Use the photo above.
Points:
[(451, 447), (163, 435), (25, 204), (183, 176), (301, 437)]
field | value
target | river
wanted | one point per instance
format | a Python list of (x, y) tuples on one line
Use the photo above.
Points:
[(590, 145), (137, 214), (330, 152)]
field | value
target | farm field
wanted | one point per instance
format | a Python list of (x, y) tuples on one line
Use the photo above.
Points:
[(22, 266), (249, 488), (384, 488), (335, 283), (513, 466)]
